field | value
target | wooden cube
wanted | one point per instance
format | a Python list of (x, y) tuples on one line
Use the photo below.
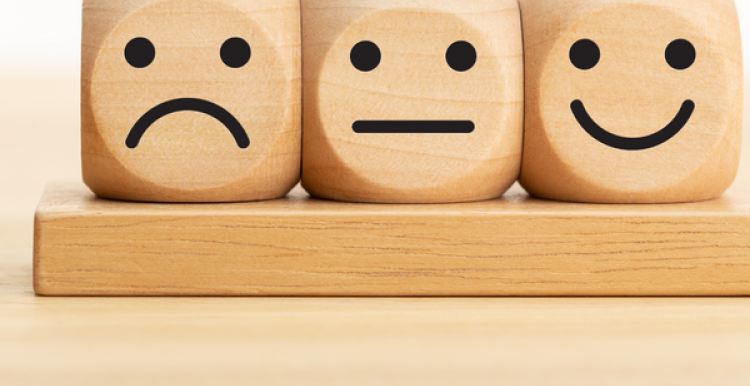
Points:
[(191, 100), (631, 101), (417, 101)]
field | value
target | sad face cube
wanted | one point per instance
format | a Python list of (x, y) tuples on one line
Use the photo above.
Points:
[(417, 101), (631, 101), (191, 100)]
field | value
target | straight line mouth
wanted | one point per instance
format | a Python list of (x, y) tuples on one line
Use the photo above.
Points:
[(413, 127), (188, 104)]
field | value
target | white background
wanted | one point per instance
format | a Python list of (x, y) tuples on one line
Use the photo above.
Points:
[(45, 34)]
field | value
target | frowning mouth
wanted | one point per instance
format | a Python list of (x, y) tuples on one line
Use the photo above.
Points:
[(413, 127), (188, 104), (625, 143)]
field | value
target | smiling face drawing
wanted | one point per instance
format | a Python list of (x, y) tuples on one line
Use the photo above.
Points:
[(631, 101), (415, 111), (196, 97), (585, 55)]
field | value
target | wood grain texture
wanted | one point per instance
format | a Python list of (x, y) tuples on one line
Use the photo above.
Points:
[(83, 341), (189, 154), (335, 342), (350, 341), (301, 246), (413, 81), (632, 92)]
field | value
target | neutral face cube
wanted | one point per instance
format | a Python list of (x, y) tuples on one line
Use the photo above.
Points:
[(191, 100), (417, 101), (631, 101)]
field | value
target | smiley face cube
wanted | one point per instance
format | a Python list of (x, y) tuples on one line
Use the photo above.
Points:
[(631, 101), (417, 101), (191, 100)]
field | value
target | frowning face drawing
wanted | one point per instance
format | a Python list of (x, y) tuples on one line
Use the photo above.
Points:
[(192, 95)]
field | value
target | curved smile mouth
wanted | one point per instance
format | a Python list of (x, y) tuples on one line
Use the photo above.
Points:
[(413, 127), (188, 104), (625, 143)]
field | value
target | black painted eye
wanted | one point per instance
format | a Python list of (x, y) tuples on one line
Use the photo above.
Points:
[(461, 56), (585, 54), (235, 52), (365, 56), (680, 54), (140, 52)]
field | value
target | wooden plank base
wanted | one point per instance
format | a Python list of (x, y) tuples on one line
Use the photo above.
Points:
[(298, 246)]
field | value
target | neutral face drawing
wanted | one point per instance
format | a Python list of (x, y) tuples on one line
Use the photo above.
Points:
[(409, 114), (460, 56)]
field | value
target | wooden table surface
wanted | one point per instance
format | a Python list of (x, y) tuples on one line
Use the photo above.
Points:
[(323, 341)]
